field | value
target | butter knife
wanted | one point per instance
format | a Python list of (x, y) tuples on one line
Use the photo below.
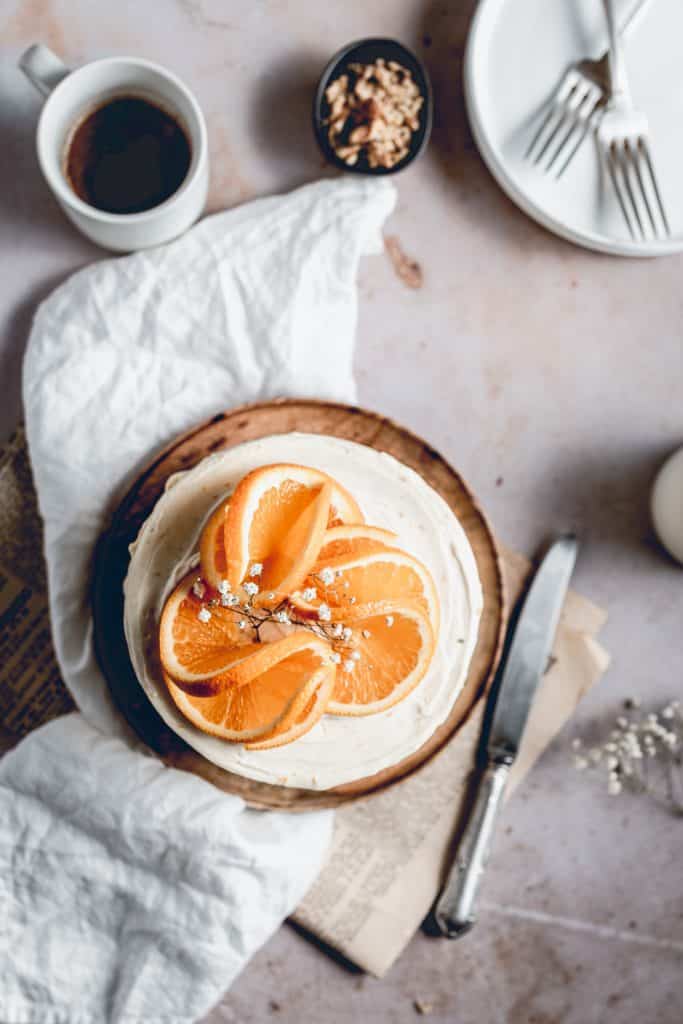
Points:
[(509, 706)]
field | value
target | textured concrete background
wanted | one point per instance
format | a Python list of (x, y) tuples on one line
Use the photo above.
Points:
[(549, 376)]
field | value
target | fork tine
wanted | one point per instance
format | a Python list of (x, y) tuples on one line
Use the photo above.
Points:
[(623, 162), (645, 150), (633, 153), (591, 123), (566, 112), (581, 124), (539, 133), (609, 161)]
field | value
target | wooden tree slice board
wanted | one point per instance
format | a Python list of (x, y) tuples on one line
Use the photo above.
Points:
[(226, 430)]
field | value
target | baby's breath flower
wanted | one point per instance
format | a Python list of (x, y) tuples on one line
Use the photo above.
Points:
[(251, 589), (389, 620), (282, 617), (324, 612), (335, 657), (337, 630), (309, 593), (256, 569), (366, 634), (224, 587), (346, 633), (355, 655), (229, 600), (198, 588), (204, 615), (242, 624), (326, 576), (349, 665)]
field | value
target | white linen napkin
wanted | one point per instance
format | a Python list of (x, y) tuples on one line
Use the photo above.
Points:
[(130, 891)]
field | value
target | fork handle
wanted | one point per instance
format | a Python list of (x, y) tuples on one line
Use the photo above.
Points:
[(617, 66)]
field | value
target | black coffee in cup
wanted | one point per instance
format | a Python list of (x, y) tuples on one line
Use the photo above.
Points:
[(127, 155)]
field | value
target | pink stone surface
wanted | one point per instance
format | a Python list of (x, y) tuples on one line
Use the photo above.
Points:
[(551, 377)]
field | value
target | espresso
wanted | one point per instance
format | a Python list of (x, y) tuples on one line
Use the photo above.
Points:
[(127, 156)]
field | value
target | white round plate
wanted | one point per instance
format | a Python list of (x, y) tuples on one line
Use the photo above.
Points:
[(516, 54)]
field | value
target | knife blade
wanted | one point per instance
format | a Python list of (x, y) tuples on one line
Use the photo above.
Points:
[(509, 705)]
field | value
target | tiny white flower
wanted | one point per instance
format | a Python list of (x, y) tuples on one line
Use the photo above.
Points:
[(355, 655), (346, 633), (204, 615), (580, 763), (256, 569), (229, 600), (622, 722), (282, 617), (335, 657), (611, 761), (271, 595), (251, 589), (243, 624), (326, 576), (668, 712), (198, 589), (349, 665), (309, 593), (352, 600), (337, 630), (614, 787), (224, 587), (576, 744), (389, 620), (366, 633), (324, 612)]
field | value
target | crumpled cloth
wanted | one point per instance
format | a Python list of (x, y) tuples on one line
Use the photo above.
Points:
[(132, 892)]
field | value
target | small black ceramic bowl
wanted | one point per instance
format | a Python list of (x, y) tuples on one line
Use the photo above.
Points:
[(367, 51)]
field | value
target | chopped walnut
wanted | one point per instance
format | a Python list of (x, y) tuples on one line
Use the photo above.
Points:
[(374, 110)]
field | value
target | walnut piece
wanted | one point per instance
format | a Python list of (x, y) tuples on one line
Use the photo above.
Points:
[(374, 110)]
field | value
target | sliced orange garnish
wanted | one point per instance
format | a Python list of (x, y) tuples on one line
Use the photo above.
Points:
[(193, 651), (390, 649), (353, 539), (214, 567), (293, 558), (367, 579), (277, 705), (262, 511), (304, 712)]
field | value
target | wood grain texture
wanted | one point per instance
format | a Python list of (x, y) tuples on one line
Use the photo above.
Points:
[(226, 430)]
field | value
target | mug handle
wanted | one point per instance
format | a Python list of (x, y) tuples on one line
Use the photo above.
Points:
[(43, 68)]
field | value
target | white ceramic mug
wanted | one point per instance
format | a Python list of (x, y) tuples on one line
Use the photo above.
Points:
[(70, 95)]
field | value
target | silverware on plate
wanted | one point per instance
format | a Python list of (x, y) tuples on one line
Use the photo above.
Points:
[(509, 705), (574, 108), (625, 150)]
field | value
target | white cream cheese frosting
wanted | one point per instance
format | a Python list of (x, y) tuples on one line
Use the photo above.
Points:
[(337, 750)]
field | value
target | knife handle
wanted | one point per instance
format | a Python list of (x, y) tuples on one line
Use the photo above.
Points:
[(455, 910)]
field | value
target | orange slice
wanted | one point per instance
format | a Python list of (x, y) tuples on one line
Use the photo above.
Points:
[(277, 705), (264, 508), (391, 647), (369, 579), (292, 560), (354, 539), (304, 712), (193, 651), (214, 567)]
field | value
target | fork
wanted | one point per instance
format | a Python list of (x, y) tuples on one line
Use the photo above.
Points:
[(573, 109), (625, 151)]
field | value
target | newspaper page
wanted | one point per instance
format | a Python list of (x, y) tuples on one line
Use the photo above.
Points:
[(31, 689), (389, 854)]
